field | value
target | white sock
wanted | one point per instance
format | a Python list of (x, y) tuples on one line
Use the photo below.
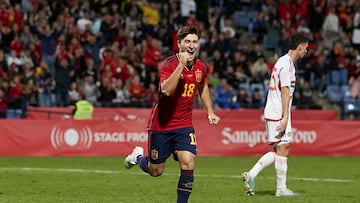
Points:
[(281, 170), (262, 163)]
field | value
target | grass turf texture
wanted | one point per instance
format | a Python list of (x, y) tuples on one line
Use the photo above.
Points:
[(217, 180)]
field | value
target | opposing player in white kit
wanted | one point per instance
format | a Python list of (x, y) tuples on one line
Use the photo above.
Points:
[(277, 114)]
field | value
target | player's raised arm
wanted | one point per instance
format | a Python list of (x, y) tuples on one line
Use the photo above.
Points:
[(169, 85)]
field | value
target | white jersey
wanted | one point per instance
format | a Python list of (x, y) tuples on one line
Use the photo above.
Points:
[(283, 75)]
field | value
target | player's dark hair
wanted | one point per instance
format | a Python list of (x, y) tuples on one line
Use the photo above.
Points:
[(185, 30), (296, 40)]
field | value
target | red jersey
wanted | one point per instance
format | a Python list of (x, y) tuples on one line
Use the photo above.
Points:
[(175, 111)]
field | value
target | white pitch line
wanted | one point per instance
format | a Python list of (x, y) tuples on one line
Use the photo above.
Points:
[(75, 170)]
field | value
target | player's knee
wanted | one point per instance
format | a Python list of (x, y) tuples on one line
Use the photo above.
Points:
[(155, 172), (283, 150), (187, 166)]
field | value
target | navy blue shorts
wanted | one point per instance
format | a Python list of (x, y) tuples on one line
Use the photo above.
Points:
[(163, 143)]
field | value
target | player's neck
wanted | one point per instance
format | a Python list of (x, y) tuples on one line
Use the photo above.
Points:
[(293, 55), (189, 66)]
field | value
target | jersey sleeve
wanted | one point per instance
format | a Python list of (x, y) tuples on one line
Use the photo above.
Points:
[(285, 75), (165, 70)]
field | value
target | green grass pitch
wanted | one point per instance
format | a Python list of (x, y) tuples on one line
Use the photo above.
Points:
[(217, 180)]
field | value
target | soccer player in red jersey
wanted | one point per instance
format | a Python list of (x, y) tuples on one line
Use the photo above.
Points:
[(182, 77)]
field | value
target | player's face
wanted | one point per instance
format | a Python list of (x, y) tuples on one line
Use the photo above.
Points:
[(190, 45), (303, 49)]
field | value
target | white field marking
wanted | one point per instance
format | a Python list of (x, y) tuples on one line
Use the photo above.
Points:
[(75, 170)]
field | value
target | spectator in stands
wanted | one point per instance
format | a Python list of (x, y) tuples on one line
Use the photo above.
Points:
[(219, 62), (107, 93), (338, 72), (243, 99), (122, 70), (83, 110), (3, 104), (16, 44), (6, 37), (45, 83), (137, 91), (90, 90), (317, 15), (74, 94), (151, 95), (92, 47), (122, 94), (14, 59), (354, 83), (48, 35), (150, 12), (356, 29), (242, 69), (191, 19), (224, 96), (84, 21), (227, 26), (27, 6), (27, 75), (331, 26), (257, 99), (17, 94), (152, 56), (26, 58), (64, 72), (273, 34), (259, 70), (320, 75), (132, 20), (259, 27), (186, 7), (304, 97)]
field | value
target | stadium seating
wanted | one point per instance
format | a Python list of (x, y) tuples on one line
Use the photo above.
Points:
[(333, 93), (13, 113), (246, 87), (242, 18), (350, 104)]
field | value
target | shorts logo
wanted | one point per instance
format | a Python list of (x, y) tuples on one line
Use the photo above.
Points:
[(289, 134), (154, 154), (71, 138)]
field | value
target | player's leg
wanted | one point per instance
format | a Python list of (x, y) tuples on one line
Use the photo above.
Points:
[(281, 166), (185, 145), (159, 150), (268, 158), (131, 159), (248, 178)]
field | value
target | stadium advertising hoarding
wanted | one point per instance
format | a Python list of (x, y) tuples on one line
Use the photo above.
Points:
[(235, 136)]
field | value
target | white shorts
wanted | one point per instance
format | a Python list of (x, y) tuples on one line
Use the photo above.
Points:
[(274, 136)]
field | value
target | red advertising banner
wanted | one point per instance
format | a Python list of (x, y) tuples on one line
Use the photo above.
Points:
[(233, 137)]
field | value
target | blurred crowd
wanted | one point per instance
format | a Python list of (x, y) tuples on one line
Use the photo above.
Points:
[(55, 52)]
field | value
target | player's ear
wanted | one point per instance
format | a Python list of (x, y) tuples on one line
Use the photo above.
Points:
[(178, 43)]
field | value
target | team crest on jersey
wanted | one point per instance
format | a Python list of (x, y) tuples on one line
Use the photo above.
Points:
[(198, 75), (154, 154)]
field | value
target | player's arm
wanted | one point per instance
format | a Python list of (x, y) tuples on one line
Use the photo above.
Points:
[(169, 84), (204, 93), (285, 102)]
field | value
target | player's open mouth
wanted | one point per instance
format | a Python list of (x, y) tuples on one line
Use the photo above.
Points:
[(191, 52)]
